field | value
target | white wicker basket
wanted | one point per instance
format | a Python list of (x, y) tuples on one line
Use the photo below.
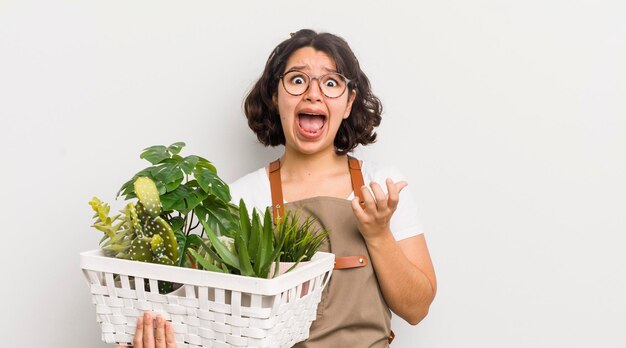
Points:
[(210, 309)]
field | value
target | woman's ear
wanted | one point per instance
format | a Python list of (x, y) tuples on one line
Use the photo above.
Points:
[(351, 98)]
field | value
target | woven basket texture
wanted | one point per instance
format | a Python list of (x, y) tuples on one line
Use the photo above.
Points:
[(270, 313)]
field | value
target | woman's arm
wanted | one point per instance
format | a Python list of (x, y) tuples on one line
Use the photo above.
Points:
[(404, 269)]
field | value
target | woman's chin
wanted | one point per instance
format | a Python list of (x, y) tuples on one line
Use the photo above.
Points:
[(310, 147)]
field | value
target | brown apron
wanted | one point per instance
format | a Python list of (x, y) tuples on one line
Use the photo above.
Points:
[(352, 312)]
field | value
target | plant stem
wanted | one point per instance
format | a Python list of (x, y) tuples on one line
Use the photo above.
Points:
[(189, 228), (198, 223), (185, 225)]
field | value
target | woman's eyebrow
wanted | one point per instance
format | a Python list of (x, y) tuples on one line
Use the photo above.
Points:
[(306, 67)]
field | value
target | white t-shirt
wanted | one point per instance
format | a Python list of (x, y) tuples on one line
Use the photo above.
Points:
[(255, 190)]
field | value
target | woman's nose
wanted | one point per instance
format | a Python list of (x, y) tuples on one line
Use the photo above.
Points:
[(314, 93)]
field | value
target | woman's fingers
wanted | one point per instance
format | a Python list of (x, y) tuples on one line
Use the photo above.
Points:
[(370, 203), (394, 191), (148, 331), (379, 194), (160, 332), (358, 209), (138, 340), (170, 337)]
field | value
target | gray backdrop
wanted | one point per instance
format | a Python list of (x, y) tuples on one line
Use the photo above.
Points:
[(507, 117)]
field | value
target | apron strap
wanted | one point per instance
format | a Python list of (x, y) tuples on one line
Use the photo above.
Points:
[(276, 186), (356, 175)]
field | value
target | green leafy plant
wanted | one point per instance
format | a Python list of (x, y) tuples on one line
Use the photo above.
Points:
[(190, 191), (300, 240), (260, 245), (251, 251), (183, 217)]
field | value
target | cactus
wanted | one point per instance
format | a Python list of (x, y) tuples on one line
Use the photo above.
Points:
[(141, 234), (148, 195)]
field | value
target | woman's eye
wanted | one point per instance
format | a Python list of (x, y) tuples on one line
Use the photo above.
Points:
[(297, 80), (331, 83)]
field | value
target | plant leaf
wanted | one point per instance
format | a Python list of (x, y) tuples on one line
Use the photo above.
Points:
[(166, 173), (177, 223), (155, 154), (175, 148), (204, 263), (184, 199), (228, 257), (244, 221), (201, 243), (267, 241), (212, 184), (244, 258), (189, 163), (218, 214), (255, 236)]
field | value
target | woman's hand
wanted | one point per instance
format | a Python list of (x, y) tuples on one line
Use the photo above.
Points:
[(145, 336), (374, 219), (403, 268)]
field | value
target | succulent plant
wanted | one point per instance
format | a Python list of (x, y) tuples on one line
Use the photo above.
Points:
[(301, 240), (258, 244), (141, 234)]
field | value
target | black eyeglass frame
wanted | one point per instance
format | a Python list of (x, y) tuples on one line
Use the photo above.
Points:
[(319, 83)]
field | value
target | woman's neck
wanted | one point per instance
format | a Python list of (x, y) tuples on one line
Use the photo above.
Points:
[(298, 166)]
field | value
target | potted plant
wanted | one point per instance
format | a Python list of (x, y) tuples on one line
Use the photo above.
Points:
[(182, 231)]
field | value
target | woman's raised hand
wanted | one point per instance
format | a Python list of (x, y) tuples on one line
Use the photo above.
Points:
[(374, 218), (145, 336)]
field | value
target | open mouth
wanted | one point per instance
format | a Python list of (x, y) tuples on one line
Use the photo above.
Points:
[(311, 124)]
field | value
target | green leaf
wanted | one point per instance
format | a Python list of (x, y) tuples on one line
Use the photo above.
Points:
[(155, 154), (175, 148), (175, 159), (197, 241), (228, 257), (173, 185), (166, 173), (177, 223), (279, 240), (244, 221), (184, 199), (255, 236), (267, 242), (204, 263), (218, 214), (212, 184), (244, 258), (204, 163), (183, 244), (189, 163)]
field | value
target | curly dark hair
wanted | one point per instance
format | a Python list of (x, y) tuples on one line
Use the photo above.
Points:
[(262, 113)]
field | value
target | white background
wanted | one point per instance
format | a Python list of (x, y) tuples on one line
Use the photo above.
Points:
[(507, 117)]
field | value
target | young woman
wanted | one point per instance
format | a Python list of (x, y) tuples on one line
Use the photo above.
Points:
[(314, 99)]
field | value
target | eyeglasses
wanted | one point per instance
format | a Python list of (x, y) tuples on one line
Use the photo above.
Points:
[(296, 82)]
